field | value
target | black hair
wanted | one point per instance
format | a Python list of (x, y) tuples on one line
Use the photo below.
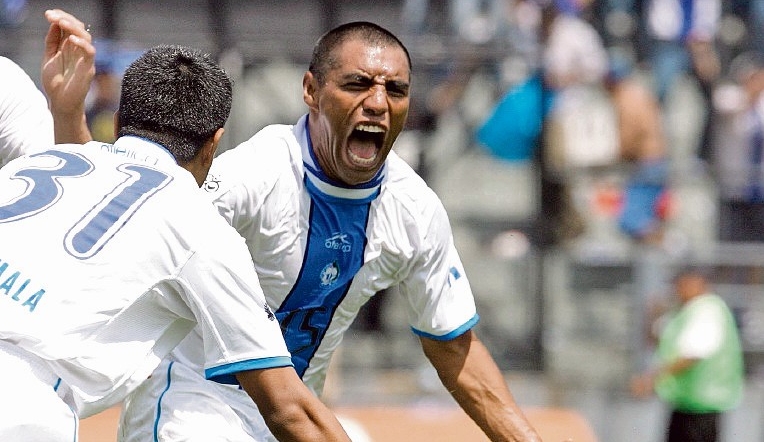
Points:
[(324, 57), (175, 96)]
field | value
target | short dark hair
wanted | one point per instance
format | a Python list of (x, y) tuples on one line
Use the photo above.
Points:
[(324, 57), (175, 96)]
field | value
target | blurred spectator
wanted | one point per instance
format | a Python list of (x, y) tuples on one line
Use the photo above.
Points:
[(738, 150), (12, 13), (754, 20), (699, 361), (642, 146), (103, 99), (475, 21), (681, 38), (573, 52), (474, 30), (579, 129)]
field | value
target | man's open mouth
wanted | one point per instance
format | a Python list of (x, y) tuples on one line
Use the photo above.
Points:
[(364, 143)]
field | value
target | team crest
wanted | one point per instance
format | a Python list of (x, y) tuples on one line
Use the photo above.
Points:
[(330, 273)]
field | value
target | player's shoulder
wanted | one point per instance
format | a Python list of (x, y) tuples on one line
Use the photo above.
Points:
[(269, 146), (403, 181), (257, 163), (403, 187)]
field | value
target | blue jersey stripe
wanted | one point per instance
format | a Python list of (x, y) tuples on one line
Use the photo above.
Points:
[(159, 402), (452, 335), (333, 256), (226, 373)]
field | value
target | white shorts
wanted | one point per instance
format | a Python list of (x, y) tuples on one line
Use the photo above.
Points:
[(178, 404), (31, 409)]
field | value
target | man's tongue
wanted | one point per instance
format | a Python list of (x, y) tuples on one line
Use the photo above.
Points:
[(362, 149)]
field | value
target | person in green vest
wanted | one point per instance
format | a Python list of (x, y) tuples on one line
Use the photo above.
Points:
[(699, 361)]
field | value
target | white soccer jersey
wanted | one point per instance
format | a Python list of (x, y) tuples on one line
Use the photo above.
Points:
[(26, 124), (110, 256), (321, 251)]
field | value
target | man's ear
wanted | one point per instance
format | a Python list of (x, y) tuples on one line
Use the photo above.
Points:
[(200, 165), (212, 146), (309, 88)]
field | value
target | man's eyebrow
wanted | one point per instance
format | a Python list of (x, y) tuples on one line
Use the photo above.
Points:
[(364, 76), (398, 84)]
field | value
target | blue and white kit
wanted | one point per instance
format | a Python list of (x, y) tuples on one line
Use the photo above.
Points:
[(110, 257), (321, 251), (26, 125)]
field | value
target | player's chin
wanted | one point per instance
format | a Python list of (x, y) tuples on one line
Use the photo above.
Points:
[(356, 176)]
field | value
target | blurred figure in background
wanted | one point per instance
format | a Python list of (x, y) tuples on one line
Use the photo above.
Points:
[(738, 150), (698, 370), (573, 53), (642, 146), (579, 128), (103, 99), (681, 39)]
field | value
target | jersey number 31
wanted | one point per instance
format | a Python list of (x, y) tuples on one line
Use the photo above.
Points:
[(86, 237)]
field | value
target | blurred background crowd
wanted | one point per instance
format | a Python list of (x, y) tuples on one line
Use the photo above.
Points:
[(584, 149)]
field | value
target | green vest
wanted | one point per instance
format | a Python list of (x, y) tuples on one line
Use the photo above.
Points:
[(713, 384)]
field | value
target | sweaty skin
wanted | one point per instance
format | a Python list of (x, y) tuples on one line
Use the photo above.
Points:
[(356, 115)]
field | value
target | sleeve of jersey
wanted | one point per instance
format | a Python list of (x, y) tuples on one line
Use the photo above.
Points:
[(239, 329), (27, 125), (437, 289)]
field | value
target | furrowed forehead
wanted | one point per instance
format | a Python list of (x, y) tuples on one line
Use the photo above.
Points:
[(327, 50)]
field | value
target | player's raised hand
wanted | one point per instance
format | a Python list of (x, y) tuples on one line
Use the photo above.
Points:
[(68, 68)]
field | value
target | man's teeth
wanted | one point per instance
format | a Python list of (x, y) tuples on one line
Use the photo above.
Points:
[(361, 160), (369, 128)]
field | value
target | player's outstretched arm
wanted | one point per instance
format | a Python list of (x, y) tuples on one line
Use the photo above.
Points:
[(68, 68), (291, 410), (470, 374)]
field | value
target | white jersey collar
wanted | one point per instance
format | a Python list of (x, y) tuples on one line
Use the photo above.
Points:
[(139, 149), (326, 185)]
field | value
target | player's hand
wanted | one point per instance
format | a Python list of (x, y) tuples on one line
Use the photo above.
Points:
[(68, 64), (642, 385)]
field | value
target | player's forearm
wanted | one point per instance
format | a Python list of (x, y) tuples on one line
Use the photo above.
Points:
[(484, 396), (291, 411), (305, 422), (471, 376)]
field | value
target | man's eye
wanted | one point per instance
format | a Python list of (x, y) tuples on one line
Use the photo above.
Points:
[(395, 92)]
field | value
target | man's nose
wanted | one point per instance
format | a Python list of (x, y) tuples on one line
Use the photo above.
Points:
[(376, 100)]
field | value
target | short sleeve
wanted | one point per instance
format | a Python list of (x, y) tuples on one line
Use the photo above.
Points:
[(238, 328), (437, 288)]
